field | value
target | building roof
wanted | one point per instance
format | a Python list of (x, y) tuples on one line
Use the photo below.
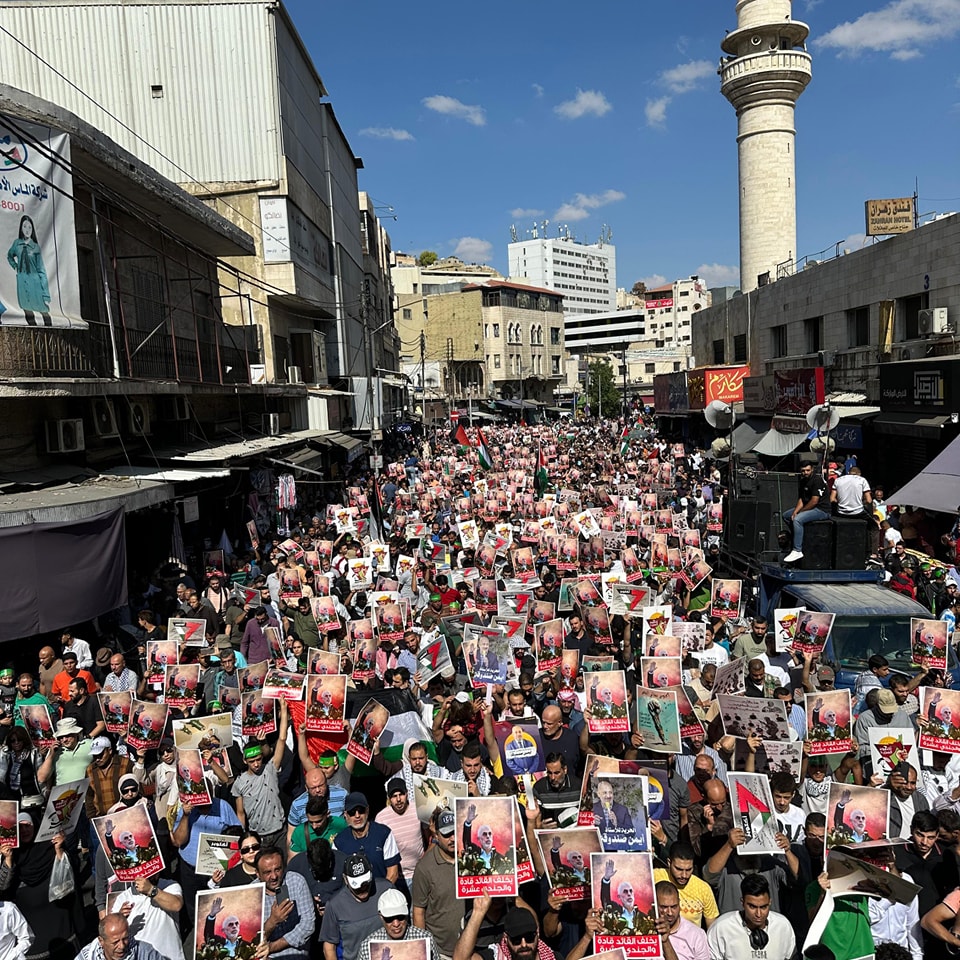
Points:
[(661, 289), (511, 285)]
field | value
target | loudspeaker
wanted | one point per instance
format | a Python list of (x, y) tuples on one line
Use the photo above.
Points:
[(748, 527), (818, 545), (779, 492), (850, 543)]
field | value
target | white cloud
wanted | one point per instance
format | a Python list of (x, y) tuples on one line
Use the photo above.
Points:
[(687, 76), (386, 133), (585, 103), (654, 280), (473, 250), (656, 111), (854, 242), (452, 107), (900, 28), (537, 89), (522, 213), (719, 274), (580, 206)]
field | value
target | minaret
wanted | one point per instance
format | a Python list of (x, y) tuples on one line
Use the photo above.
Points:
[(766, 69)]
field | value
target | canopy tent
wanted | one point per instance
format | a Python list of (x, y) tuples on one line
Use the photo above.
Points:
[(937, 486)]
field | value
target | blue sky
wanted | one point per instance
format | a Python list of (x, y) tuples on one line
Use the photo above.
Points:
[(473, 117)]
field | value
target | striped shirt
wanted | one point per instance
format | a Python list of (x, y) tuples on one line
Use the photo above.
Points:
[(408, 834)]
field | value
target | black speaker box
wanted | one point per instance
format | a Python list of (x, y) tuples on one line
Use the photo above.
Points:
[(850, 543), (748, 527), (779, 492), (818, 545)]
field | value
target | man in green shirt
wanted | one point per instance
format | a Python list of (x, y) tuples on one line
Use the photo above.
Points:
[(26, 696), (318, 824)]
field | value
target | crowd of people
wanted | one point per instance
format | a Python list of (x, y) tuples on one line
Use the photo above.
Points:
[(466, 598)]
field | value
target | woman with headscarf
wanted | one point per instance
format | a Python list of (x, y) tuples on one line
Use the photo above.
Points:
[(19, 767)]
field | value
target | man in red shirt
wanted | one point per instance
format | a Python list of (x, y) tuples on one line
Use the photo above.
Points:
[(60, 689)]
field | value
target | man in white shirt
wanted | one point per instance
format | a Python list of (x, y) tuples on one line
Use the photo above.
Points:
[(851, 493), (16, 936), (755, 931), (80, 647)]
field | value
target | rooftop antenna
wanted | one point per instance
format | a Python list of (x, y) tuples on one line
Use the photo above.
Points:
[(535, 234), (513, 232)]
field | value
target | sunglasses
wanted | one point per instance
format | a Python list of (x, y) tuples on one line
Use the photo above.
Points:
[(402, 916), (129, 789), (356, 811), (523, 938), (253, 848)]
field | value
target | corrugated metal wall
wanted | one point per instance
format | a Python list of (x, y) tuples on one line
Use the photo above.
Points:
[(217, 117)]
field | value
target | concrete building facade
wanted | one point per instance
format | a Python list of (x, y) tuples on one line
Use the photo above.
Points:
[(765, 70)]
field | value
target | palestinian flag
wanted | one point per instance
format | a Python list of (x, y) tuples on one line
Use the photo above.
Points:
[(460, 436), (540, 478), (483, 451), (625, 440)]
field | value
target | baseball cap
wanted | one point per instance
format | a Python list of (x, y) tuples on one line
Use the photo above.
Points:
[(396, 785), (354, 800), (357, 871), (519, 923), (99, 745), (446, 823), (69, 655), (887, 703), (392, 903), (826, 673)]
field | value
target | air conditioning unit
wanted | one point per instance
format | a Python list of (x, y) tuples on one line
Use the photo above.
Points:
[(64, 436), (293, 375), (178, 408), (270, 424), (104, 419), (932, 321), (138, 418)]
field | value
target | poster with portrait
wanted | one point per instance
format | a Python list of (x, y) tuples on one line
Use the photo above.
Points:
[(585, 593), (39, 284), (322, 662), (661, 671), (715, 517), (890, 746), (856, 814), (36, 719), (754, 812), (229, 921), (725, 598), (9, 831), (623, 896), (147, 723), (191, 783), (367, 727), (785, 621), (731, 678), (521, 746), (283, 684), (62, 811), (216, 852), (620, 811), (252, 676), (363, 647), (181, 685), (485, 846), (182, 630), (548, 639), (597, 621), (325, 697), (291, 589), (115, 709), (160, 654), (435, 793), (400, 950), (661, 645), (390, 622), (658, 719), (486, 653), (607, 710), (324, 610), (274, 639), (939, 719), (694, 572), (690, 726), (569, 668), (829, 722), (525, 869), (757, 716), (540, 611), (566, 858), (813, 630), (258, 715), (129, 842), (929, 642)]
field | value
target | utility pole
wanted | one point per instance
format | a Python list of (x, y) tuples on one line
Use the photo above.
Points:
[(624, 353), (375, 431), (423, 380)]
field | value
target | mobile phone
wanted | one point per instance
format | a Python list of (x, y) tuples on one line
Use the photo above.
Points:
[(283, 893)]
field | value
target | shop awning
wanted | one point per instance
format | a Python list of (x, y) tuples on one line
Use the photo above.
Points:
[(937, 486), (774, 443), (909, 424), (304, 459), (747, 432), (351, 445), (238, 449), (168, 475)]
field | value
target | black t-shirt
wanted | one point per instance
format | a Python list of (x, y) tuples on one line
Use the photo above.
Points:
[(812, 486)]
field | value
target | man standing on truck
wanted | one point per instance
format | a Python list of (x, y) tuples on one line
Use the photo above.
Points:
[(811, 489)]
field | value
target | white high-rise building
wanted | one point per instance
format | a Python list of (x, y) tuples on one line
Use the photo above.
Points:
[(765, 70), (586, 274)]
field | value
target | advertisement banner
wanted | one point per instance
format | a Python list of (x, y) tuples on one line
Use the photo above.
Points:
[(798, 390), (724, 383)]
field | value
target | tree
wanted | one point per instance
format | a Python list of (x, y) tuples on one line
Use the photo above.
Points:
[(639, 288), (602, 393), (426, 258)]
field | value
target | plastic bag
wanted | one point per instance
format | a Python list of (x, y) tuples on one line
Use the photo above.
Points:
[(61, 879)]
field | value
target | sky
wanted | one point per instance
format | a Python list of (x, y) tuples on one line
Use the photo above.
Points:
[(471, 118)]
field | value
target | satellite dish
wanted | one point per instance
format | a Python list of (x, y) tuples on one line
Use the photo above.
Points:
[(720, 415), (823, 418)]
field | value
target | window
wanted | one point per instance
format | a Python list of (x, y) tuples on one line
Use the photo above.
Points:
[(813, 334), (414, 288), (486, 330), (407, 313), (858, 327), (676, 367), (496, 361), (555, 365), (718, 351), (910, 308), (496, 329), (649, 368), (740, 348), (554, 336), (778, 336)]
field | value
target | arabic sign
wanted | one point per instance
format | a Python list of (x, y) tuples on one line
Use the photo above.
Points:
[(39, 284), (656, 304), (759, 394), (929, 386), (889, 216), (798, 390), (725, 383)]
